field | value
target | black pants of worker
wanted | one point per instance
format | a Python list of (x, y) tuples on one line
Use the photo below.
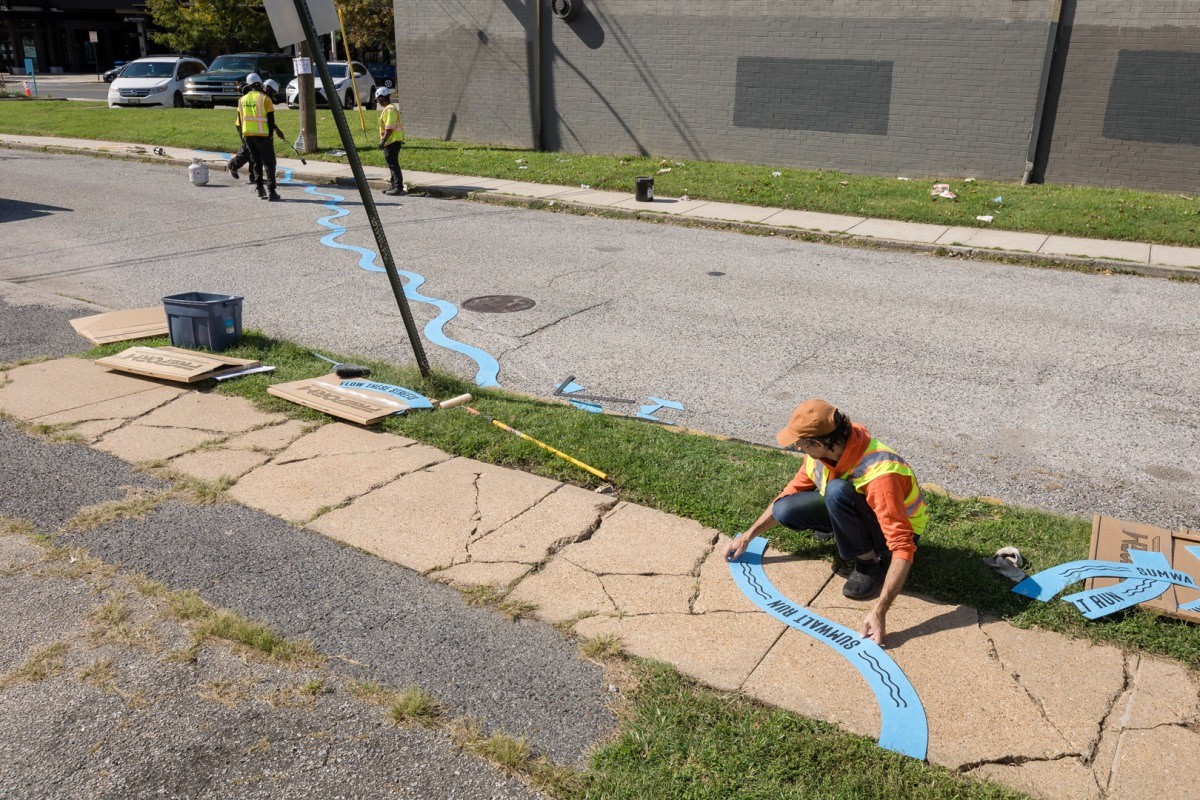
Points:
[(391, 154), (262, 157), (241, 158), (841, 511)]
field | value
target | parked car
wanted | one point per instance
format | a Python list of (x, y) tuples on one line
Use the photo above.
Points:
[(153, 81), (115, 71), (222, 83), (338, 70)]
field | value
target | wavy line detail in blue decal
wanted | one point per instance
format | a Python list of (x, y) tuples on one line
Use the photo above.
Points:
[(489, 368), (904, 727)]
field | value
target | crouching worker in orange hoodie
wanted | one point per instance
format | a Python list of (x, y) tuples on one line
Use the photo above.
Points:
[(855, 490)]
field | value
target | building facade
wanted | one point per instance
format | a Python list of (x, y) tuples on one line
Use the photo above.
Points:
[(1072, 91), (72, 35)]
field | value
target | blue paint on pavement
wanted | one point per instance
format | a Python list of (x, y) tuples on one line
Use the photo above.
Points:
[(904, 727), (489, 368)]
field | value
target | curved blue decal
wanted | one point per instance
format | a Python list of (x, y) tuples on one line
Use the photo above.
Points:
[(489, 368), (904, 728), (1148, 577)]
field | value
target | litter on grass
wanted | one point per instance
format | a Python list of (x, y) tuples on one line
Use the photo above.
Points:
[(985, 217), (776, 174)]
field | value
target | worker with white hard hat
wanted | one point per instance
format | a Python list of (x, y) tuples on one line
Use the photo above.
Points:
[(391, 138), (256, 123)]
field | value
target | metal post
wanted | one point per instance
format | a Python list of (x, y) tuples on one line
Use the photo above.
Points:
[(385, 252)]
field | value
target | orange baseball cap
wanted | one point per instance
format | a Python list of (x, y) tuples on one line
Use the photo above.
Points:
[(811, 419)]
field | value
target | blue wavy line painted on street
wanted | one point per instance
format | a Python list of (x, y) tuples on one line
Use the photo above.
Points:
[(489, 368), (904, 727)]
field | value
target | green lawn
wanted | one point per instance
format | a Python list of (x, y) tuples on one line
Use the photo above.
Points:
[(725, 485), (1069, 210)]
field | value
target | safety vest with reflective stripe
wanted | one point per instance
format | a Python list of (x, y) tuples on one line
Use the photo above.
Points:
[(252, 110), (879, 459), (389, 120)]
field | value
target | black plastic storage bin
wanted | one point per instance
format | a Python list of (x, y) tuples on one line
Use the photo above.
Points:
[(200, 319)]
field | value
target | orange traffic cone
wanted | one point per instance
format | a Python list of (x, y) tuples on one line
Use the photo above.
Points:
[(28, 91)]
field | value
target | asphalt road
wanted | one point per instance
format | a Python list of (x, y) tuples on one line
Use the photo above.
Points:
[(1076, 393), (74, 87)]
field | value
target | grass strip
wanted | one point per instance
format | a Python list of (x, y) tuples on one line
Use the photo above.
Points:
[(724, 485), (682, 741), (1090, 212)]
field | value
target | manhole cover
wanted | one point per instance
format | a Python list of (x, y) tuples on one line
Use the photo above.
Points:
[(499, 304)]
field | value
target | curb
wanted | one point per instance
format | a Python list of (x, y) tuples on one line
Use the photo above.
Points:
[(1097, 266)]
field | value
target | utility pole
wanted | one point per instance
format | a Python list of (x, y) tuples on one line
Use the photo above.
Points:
[(364, 190), (308, 104)]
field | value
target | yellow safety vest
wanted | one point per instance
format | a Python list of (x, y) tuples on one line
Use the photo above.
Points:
[(879, 459), (389, 120), (252, 111)]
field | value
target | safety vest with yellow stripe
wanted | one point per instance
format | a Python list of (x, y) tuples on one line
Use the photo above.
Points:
[(252, 111), (879, 459), (389, 120)]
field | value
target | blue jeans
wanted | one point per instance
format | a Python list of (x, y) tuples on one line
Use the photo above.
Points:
[(841, 511)]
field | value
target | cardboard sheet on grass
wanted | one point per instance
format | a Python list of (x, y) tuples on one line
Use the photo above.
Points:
[(364, 402), (122, 326), (1112, 539), (175, 363)]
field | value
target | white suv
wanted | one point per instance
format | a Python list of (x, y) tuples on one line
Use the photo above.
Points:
[(153, 81)]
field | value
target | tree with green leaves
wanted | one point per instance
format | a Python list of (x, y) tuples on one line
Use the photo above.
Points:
[(198, 26), (370, 25)]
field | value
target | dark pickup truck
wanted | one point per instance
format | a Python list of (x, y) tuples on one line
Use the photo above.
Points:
[(222, 83)]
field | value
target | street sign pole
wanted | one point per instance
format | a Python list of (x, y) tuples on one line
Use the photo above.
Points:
[(360, 178)]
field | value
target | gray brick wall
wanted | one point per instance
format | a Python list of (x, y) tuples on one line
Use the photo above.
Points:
[(932, 87), (1129, 120)]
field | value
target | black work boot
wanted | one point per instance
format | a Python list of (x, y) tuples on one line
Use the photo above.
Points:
[(866, 580), (232, 170), (262, 193), (273, 196)]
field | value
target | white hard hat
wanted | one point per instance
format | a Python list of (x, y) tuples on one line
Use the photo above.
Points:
[(383, 91), (253, 78), (270, 84)]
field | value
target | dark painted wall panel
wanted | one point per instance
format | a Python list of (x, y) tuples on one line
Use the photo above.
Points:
[(837, 95), (1155, 97)]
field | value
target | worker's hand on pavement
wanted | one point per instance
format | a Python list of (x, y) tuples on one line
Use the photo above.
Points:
[(735, 547), (874, 628)]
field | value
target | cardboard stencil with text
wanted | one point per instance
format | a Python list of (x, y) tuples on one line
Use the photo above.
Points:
[(1112, 539), (325, 393), (174, 363)]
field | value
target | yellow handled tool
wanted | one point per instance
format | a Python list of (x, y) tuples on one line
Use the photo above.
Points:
[(543, 445)]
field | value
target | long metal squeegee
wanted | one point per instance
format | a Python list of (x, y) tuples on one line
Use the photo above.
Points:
[(904, 728)]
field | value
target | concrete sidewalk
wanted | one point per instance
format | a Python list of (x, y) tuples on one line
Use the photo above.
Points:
[(1055, 717), (1150, 259)]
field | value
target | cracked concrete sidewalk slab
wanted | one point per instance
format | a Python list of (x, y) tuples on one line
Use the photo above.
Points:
[(50, 387), (434, 531), (1163, 693), (297, 490), (562, 592), (181, 424), (117, 410), (797, 579), (635, 540), (340, 438), (209, 412), (1064, 778), (497, 574), (567, 515), (1159, 763), (803, 675), (1074, 681), (240, 453), (650, 594), (976, 710), (719, 648)]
